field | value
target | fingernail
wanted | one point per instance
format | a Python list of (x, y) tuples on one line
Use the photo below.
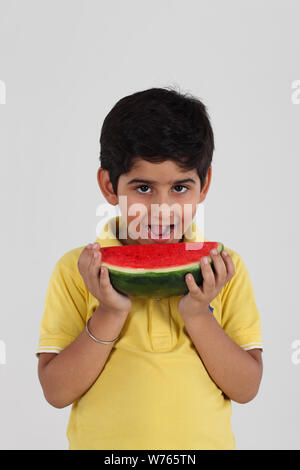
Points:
[(214, 251), (96, 254), (204, 260), (225, 253)]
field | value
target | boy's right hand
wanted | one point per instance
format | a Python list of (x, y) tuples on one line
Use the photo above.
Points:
[(98, 282)]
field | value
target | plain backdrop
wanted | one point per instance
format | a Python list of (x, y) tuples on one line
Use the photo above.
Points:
[(64, 65)]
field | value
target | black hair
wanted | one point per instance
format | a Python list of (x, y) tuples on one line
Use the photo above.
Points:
[(157, 124)]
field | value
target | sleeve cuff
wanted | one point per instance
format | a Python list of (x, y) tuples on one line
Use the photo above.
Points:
[(53, 344), (48, 349), (254, 345), (251, 339)]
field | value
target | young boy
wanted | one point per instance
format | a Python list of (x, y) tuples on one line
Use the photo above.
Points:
[(151, 373)]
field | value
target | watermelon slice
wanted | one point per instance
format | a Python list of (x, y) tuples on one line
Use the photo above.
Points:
[(156, 270)]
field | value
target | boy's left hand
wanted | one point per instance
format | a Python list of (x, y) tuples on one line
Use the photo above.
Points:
[(198, 298)]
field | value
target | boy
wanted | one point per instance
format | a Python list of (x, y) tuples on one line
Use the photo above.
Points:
[(151, 373)]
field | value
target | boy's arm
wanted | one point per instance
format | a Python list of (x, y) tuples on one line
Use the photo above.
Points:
[(237, 372), (66, 376), (69, 374)]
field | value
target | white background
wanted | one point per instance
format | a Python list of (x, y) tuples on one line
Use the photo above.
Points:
[(65, 64)]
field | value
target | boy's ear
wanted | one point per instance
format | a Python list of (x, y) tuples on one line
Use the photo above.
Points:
[(106, 187), (206, 185)]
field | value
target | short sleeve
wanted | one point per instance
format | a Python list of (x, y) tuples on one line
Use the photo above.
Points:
[(240, 316), (65, 307)]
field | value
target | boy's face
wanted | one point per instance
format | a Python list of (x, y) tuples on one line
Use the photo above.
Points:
[(158, 201)]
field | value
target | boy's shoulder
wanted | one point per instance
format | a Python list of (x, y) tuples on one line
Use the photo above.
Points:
[(240, 284), (233, 254), (66, 269), (237, 260), (69, 259)]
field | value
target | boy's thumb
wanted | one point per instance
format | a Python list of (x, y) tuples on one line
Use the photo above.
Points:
[(104, 278)]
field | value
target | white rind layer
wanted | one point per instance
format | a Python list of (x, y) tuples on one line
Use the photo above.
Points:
[(194, 265)]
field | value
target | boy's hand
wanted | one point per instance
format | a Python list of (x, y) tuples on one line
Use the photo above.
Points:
[(98, 282), (198, 298)]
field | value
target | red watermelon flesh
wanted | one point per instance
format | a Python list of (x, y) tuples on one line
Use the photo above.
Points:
[(156, 270)]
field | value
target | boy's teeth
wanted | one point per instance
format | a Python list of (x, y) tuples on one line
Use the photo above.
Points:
[(159, 230)]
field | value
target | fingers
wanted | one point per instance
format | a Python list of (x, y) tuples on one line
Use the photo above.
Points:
[(224, 270), (219, 266), (94, 266), (96, 270), (224, 267), (105, 284), (209, 281), (89, 263), (84, 260), (95, 259), (194, 289), (230, 267), (213, 282)]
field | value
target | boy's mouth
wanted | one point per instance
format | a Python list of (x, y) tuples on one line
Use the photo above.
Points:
[(160, 232)]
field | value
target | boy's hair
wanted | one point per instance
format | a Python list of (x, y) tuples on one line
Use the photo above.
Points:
[(157, 124)]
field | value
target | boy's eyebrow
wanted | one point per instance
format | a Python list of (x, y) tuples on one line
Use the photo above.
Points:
[(138, 180)]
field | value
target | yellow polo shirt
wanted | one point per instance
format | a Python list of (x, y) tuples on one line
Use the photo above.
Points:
[(154, 391)]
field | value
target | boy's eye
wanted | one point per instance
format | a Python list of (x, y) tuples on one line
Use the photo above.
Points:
[(146, 186), (142, 186), (180, 186)]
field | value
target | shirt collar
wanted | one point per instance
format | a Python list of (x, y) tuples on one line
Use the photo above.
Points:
[(108, 237)]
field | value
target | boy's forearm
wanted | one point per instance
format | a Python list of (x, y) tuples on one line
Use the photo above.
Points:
[(71, 373), (233, 370)]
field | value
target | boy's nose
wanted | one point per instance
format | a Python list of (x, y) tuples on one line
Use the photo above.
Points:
[(161, 215), (162, 200)]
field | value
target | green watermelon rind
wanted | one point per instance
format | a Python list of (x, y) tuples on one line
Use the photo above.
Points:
[(157, 284)]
